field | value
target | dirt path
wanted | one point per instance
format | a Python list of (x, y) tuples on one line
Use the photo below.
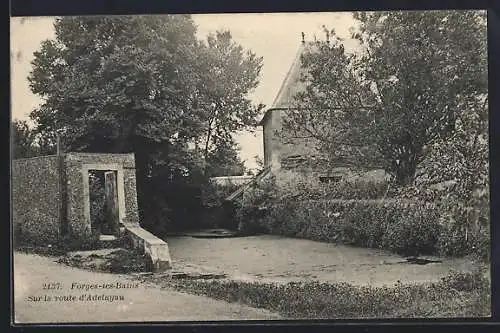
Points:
[(140, 303), (273, 258)]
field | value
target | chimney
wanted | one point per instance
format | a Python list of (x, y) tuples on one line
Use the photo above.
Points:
[(327, 33)]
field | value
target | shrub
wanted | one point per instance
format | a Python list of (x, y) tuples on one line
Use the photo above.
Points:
[(251, 211), (249, 219), (452, 242), (349, 188), (366, 224), (455, 242), (466, 229), (358, 188), (455, 172), (420, 222), (213, 194), (125, 261), (464, 217), (408, 228), (415, 231), (481, 245), (466, 281), (457, 295), (217, 213)]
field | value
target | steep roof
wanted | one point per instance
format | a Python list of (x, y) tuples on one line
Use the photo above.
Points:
[(292, 84)]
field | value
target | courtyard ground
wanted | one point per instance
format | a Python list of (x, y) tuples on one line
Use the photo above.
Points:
[(273, 258), (234, 272)]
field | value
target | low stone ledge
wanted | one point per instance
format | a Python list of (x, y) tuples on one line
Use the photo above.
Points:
[(153, 246)]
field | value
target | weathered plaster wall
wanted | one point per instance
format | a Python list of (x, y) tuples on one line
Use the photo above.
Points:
[(75, 210), (283, 151), (36, 198), (291, 157), (272, 124)]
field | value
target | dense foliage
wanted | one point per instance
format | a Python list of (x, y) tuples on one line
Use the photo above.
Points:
[(217, 212), (146, 84), (405, 87), (385, 220), (27, 143), (406, 101)]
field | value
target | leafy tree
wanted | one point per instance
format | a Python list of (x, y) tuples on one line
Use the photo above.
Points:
[(405, 87), (109, 80), (462, 157), (137, 84), (224, 161), (228, 74), (23, 140), (458, 165), (27, 143)]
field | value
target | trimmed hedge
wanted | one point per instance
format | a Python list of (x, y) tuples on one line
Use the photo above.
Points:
[(408, 228), (365, 213), (454, 242), (306, 187)]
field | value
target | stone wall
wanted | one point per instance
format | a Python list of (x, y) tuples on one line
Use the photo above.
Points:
[(50, 197), (231, 180), (36, 198)]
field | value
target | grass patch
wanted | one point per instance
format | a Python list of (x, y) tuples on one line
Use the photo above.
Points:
[(121, 261), (127, 261), (46, 251), (62, 245), (457, 295)]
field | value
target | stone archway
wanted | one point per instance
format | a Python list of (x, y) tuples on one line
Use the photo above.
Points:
[(120, 170), (51, 199)]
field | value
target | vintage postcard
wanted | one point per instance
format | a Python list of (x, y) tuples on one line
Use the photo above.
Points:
[(272, 166)]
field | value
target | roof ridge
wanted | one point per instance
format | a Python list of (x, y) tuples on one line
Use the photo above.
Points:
[(286, 82)]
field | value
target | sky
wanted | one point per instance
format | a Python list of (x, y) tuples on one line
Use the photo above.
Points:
[(276, 37)]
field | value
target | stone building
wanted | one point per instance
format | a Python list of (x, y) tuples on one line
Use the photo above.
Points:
[(288, 157)]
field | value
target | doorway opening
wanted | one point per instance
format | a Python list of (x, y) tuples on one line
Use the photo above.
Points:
[(103, 197)]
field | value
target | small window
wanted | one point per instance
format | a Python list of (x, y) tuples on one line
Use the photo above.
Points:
[(330, 179)]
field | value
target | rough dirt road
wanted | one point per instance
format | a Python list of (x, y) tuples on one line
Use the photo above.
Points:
[(141, 303)]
